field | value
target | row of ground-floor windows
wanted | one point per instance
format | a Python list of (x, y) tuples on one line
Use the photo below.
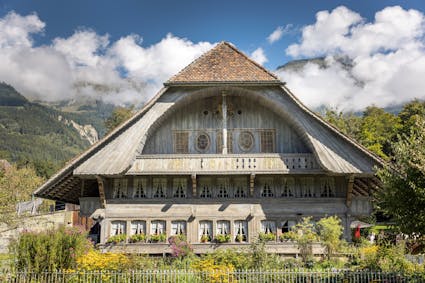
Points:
[(208, 230)]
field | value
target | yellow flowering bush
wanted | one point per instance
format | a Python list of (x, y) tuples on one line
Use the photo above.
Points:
[(95, 260), (214, 272)]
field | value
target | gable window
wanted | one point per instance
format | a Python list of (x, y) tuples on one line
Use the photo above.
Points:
[(267, 141), (241, 186), (327, 187), (223, 227), (181, 142), (140, 185), (118, 227), (178, 227), (159, 187), (205, 231), (287, 225), (222, 188), (157, 227), (241, 231), (268, 227), (220, 142), (120, 188), (267, 188), (288, 187), (202, 142), (307, 187), (179, 187), (138, 227)]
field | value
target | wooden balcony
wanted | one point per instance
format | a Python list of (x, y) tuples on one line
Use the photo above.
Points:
[(271, 163)]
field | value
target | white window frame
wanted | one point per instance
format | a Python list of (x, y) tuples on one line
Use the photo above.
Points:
[(223, 227), (120, 188), (158, 227), (241, 228), (268, 226), (178, 227), (205, 228), (137, 227), (118, 227)]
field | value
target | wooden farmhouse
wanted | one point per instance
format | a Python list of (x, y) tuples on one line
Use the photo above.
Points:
[(223, 153)]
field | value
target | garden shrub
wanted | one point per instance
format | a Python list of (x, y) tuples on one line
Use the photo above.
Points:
[(49, 250), (117, 239), (95, 260)]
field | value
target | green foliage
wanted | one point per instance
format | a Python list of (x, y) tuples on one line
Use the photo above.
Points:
[(330, 232), (16, 185), (403, 193), (266, 237), (205, 238), (155, 238), (117, 239), (306, 236), (137, 238), (10, 97), (220, 238), (348, 123), (288, 236), (49, 250), (119, 116)]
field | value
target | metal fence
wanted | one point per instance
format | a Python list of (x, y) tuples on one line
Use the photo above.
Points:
[(190, 276)]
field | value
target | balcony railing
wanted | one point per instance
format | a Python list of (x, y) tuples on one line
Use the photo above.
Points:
[(220, 163)]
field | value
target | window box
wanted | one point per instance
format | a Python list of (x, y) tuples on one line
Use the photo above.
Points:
[(222, 238), (288, 236), (205, 238), (267, 237), (136, 238), (117, 239), (156, 238)]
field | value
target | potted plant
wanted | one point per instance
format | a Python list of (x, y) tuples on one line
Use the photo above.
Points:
[(239, 238), (288, 236), (137, 238), (205, 238), (155, 238), (222, 238), (117, 239), (267, 237)]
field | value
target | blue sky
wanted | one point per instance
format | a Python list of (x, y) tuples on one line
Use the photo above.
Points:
[(58, 50), (244, 23)]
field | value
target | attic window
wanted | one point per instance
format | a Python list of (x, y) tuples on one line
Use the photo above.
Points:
[(140, 185), (246, 141), (181, 142), (267, 138), (120, 188), (203, 142)]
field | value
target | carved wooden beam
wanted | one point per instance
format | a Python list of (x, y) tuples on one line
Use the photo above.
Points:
[(194, 194), (101, 186), (251, 185), (350, 190)]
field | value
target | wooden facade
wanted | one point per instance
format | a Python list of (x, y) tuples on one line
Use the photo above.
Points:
[(224, 151)]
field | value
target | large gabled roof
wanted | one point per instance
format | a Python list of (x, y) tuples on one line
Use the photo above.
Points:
[(223, 64)]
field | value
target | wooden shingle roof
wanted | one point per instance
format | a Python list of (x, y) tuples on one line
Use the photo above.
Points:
[(223, 64)]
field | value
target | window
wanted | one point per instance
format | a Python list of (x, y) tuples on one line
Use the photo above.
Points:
[(267, 138), (287, 225), (307, 187), (241, 231), (223, 188), (181, 142), (140, 185), (220, 142), (120, 188), (179, 187), (327, 187), (178, 227), (246, 141), (266, 188), (268, 227), (223, 227), (138, 227), (118, 228), (205, 188), (157, 227), (288, 187), (205, 231), (159, 187), (241, 186), (202, 142)]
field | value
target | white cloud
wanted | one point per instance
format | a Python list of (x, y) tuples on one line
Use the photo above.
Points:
[(278, 33), (259, 56), (387, 55), (88, 64)]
